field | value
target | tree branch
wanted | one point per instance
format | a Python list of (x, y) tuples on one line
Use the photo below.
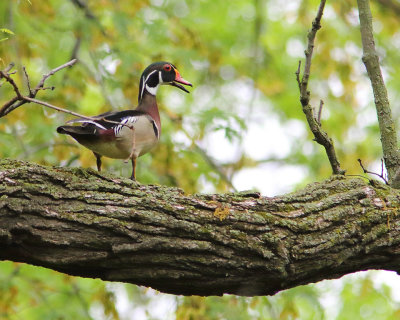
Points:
[(320, 136), (20, 99), (390, 5), (96, 225), (391, 152)]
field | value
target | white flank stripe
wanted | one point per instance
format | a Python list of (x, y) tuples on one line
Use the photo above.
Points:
[(124, 121), (92, 122)]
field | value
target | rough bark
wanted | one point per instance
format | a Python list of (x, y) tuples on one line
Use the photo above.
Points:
[(82, 223)]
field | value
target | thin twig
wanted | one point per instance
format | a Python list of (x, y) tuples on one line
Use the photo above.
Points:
[(9, 67), (11, 105), (390, 6), (381, 175), (258, 25), (20, 99), (316, 25), (218, 168), (48, 88), (28, 83), (320, 136), (213, 164), (12, 82), (89, 14), (75, 50), (48, 105), (321, 104), (45, 76), (297, 73)]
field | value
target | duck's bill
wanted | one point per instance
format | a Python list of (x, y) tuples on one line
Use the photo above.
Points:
[(176, 84), (179, 81)]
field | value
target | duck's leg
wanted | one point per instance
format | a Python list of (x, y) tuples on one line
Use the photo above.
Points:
[(133, 155), (98, 161), (133, 176)]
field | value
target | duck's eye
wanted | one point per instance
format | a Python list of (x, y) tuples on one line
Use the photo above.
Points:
[(167, 67)]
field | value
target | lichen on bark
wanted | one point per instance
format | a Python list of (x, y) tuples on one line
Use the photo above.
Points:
[(88, 224)]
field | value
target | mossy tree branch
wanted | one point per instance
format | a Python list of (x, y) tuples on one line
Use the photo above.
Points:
[(88, 224), (391, 152)]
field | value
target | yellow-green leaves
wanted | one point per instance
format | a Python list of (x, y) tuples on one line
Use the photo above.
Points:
[(6, 31)]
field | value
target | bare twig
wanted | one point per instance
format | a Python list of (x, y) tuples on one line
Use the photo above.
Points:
[(382, 168), (77, 45), (218, 168), (12, 82), (316, 25), (320, 136), (9, 67), (19, 100), (89, 14), (321, 104), (257, 51), (390, 6), (214, 165), (390, 148), (297, 73), (48, 88), (48, 105), (381, 175), (28, 83), (45, 76)]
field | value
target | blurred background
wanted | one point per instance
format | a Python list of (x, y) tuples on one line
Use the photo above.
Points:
[(241, 127)]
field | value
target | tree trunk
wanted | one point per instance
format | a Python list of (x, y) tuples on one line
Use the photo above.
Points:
[(95, 225)]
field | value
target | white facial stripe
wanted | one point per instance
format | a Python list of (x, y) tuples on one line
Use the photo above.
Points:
[(145, 85), (149, 75), (141, 93), (160, 80)]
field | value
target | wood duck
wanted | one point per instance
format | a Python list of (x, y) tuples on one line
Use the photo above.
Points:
[(128, 134)]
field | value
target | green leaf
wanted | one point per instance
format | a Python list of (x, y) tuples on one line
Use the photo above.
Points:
[(5, 30)]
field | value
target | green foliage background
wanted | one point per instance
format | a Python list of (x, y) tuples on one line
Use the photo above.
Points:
[(241, 57)]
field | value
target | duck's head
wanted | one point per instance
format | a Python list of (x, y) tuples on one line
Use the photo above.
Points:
[(160, 73)]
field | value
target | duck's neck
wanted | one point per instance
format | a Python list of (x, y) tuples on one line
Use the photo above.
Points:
[(148, 104)]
